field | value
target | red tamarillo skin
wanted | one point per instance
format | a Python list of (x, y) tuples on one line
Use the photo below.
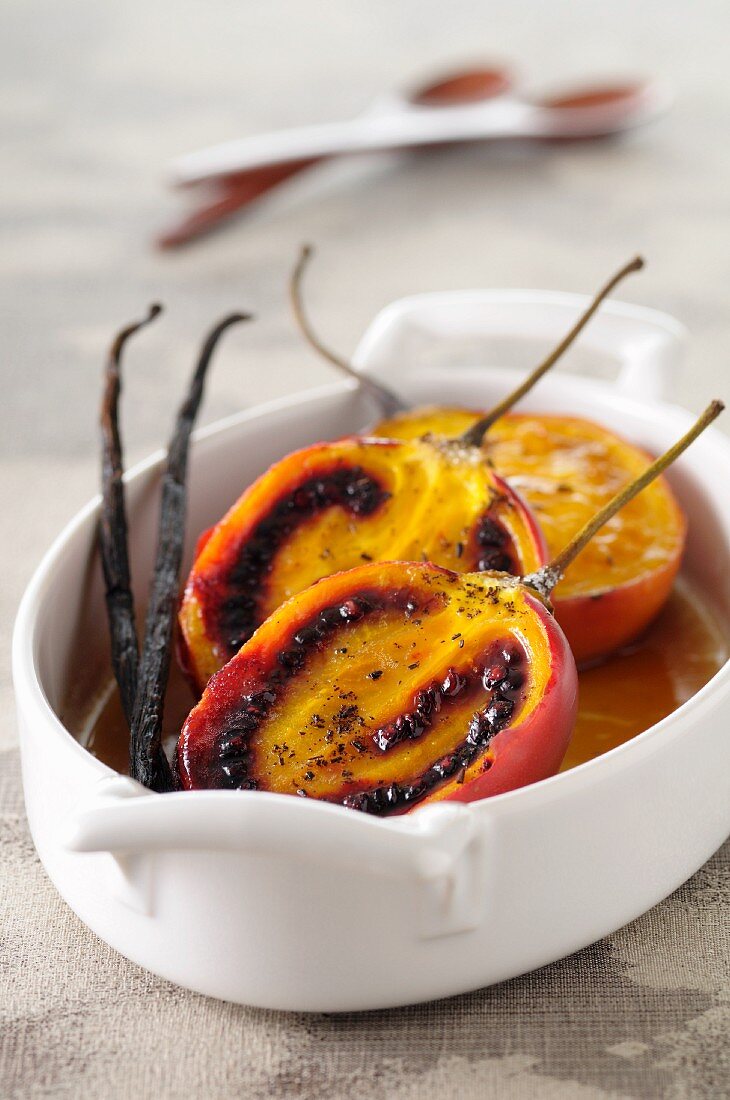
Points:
[(386, 687), (333, 506), (567, 468)]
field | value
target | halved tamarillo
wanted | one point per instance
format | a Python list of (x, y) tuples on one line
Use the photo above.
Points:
[(399, 683), (566, 468), (334, 505), (386, 686)]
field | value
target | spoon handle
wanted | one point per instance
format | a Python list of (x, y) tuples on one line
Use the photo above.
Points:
[(369, 133), (239, 184), (231, 194)]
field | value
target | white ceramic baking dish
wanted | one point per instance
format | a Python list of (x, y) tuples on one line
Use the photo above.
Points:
[(292, 904)]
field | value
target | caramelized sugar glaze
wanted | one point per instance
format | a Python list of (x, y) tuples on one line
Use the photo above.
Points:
[(618, 699)]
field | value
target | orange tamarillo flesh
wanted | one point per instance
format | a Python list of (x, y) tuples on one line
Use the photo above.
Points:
[(333, 506), (386, 687), (566, 469)]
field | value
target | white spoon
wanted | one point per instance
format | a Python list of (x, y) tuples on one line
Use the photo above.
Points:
[(398, 121)]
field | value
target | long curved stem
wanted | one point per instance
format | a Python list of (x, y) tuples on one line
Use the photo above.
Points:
[(545, 579), (388, 401), (474, 435), (113, 532)]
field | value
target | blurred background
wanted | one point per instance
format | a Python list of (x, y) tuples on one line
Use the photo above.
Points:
[(97, 98)]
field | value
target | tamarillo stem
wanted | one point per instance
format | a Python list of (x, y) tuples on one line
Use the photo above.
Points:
[(388, 401), (474, 436), (545, 579), (148, 763), (113, 530)]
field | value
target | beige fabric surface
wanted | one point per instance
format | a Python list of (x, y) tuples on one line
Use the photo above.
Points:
[(95, 98), (644, 1013)]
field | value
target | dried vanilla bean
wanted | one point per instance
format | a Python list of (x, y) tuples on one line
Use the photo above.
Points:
[(148, 763), (113, 535)]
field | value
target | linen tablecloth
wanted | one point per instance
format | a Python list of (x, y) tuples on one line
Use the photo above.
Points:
[(95, 98), (642, 1013)]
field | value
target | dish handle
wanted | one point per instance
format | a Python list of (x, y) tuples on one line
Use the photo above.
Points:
[(648, 347), (441, 847), (650, 368)]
